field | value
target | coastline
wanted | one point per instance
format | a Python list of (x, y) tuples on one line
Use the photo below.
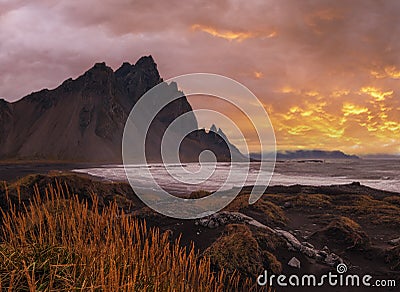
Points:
[(285, 174), (305, 212)]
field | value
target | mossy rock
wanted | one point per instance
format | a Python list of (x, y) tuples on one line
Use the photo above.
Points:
[(342, 232), (236, 250)]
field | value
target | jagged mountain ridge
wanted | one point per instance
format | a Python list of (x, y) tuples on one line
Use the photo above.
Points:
[(83, 119)]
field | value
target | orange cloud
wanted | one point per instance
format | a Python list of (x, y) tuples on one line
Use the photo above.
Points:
[(231, 35), (299, 130), (318, 18), (388, 72), (392, 72), (361, 120), (338, 119), (287, 89), (352, 109), (339, 93), (376, 93), (258, 74)]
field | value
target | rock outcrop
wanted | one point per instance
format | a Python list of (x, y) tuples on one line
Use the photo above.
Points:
[(323, 256)]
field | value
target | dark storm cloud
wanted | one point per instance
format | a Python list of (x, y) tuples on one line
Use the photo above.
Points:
[(290, 53)]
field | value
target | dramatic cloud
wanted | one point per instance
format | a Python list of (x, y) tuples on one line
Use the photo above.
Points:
[(327, 71), (230, 35)]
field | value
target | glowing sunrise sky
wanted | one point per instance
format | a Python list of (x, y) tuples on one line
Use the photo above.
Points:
[(327, 72)]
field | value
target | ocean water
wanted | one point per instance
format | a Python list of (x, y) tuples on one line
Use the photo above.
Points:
[(381, 174)]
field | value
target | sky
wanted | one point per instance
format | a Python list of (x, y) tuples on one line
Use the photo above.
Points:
[(327, 72)]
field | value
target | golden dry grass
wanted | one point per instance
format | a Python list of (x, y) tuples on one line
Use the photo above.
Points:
[(59, 243), (344, 232), (395, 200), (302, 200), (236, 250), (379, 212)]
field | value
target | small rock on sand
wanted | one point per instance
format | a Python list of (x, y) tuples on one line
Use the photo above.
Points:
[(287, 205), (294, 262), (395, 241)]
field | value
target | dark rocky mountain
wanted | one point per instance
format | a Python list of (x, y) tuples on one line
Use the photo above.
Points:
[(309, 154), (82, 120)]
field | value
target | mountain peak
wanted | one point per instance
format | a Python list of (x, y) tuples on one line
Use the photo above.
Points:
[(147, 65), (140, 77), (100, 67), (213, 128), (222, 134), (125, 67), (146, 61), (97, 76)]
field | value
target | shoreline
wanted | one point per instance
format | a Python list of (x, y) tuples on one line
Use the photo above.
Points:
[(13, 171), (306, 212)]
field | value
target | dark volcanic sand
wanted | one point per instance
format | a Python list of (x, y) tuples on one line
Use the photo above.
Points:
[(12, 171), (302, 218)]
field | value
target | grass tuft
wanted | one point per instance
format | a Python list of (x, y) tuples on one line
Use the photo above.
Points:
[(60, 243)]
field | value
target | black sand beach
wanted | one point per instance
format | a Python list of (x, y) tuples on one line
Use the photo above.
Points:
[(12, 171), (354, 224)]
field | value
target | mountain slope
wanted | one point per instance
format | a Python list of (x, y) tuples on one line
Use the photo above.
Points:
[(83, 119)]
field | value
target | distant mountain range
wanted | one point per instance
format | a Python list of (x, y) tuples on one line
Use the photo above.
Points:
[(381, 156), (308, 154), (82, 120)]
